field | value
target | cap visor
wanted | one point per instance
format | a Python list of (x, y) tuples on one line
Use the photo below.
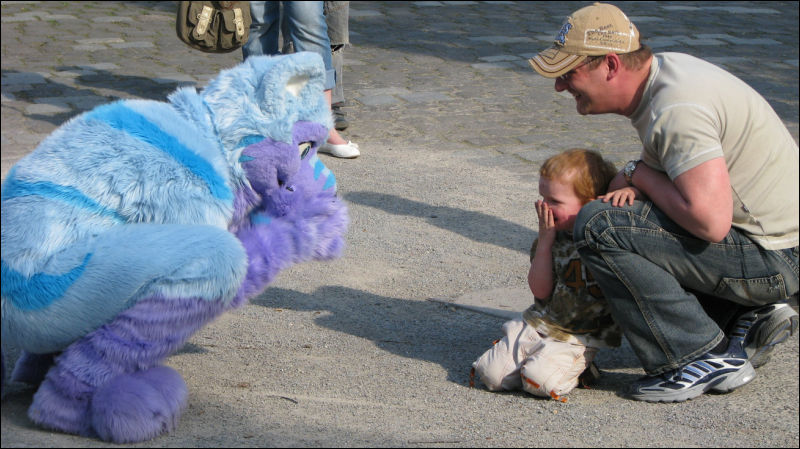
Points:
[(552, 63)]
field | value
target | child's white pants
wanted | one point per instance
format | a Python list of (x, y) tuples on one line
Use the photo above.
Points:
[(524, 359)]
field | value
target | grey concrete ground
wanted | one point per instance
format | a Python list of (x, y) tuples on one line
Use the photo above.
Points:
[(453, 126)]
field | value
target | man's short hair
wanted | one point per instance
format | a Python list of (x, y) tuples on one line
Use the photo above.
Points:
[(636, 59)]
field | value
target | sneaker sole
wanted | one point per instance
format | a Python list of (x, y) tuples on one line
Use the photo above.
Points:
[(726, 383), (734, 381), (768, 337)]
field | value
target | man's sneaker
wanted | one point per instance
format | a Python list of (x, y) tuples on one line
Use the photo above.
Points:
[(720, 373), (763, 328)]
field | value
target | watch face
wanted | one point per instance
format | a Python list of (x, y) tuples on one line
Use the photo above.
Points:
[(628, 170)]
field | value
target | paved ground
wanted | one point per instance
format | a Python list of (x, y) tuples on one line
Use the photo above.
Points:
[(453, 126)]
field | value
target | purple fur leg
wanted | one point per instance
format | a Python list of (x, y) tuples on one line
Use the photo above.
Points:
[(142, 336), (122, 352), (139, 406), (31, 368)]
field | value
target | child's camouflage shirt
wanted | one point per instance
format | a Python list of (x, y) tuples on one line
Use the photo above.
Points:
[(576, 310)]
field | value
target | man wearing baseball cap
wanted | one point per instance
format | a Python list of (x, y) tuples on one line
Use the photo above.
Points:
[(698, 268)]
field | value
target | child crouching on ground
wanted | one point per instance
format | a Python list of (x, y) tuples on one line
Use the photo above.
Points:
[(545, 352)]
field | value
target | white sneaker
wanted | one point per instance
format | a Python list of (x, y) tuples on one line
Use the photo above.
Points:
[(347, 150)]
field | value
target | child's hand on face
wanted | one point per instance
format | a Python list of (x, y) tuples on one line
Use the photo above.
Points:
[(547, 223), (621, 196)]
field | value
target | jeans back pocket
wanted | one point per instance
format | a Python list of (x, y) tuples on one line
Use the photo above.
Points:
[(754, 292)]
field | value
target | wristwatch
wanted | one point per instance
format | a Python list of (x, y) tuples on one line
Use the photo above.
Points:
[(628, 170)]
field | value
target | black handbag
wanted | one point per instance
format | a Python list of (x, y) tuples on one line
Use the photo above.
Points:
[(213, 27)]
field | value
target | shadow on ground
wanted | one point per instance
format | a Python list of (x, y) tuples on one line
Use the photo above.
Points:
[(421, 330), (475, 226)]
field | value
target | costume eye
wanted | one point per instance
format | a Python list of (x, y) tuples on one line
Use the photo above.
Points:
[(304, 148)]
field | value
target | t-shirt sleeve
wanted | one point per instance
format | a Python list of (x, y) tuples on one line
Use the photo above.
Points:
[(684, 136)]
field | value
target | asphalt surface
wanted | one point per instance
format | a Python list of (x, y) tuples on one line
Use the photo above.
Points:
[(374, 349)]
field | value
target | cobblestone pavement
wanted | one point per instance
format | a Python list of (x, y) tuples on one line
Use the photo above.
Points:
[(424, 71), (452, 123)]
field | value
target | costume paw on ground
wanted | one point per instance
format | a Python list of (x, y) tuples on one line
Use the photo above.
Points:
[(137, 223)]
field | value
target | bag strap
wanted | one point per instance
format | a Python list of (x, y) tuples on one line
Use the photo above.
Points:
[(204, 19)]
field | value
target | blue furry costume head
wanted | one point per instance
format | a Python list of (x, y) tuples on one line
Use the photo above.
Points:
[(137, 223)]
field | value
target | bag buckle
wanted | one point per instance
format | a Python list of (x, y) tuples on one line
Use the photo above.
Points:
[(203, 19), (238, 19)]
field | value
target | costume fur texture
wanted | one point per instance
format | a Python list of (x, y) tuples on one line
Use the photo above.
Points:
[(135, 224)]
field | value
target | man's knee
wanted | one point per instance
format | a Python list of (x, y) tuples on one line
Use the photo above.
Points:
[(586, 218)]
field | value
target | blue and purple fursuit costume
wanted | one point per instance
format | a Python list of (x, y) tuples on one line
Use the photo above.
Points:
[(137, 223)]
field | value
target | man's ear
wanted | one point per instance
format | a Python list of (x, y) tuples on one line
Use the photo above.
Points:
[(614, 65)]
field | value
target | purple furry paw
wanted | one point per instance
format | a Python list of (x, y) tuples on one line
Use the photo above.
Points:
[(139, 406), (330, 236), (65, 410)]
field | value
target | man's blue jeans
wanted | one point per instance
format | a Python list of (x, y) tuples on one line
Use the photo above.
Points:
[(645, 263), (306, 26)]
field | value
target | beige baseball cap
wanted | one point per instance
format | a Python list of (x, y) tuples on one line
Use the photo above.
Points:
[(594, 30)]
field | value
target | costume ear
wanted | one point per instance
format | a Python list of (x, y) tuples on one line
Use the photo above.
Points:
[(296, 84), (289, 84), (289, 89)]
